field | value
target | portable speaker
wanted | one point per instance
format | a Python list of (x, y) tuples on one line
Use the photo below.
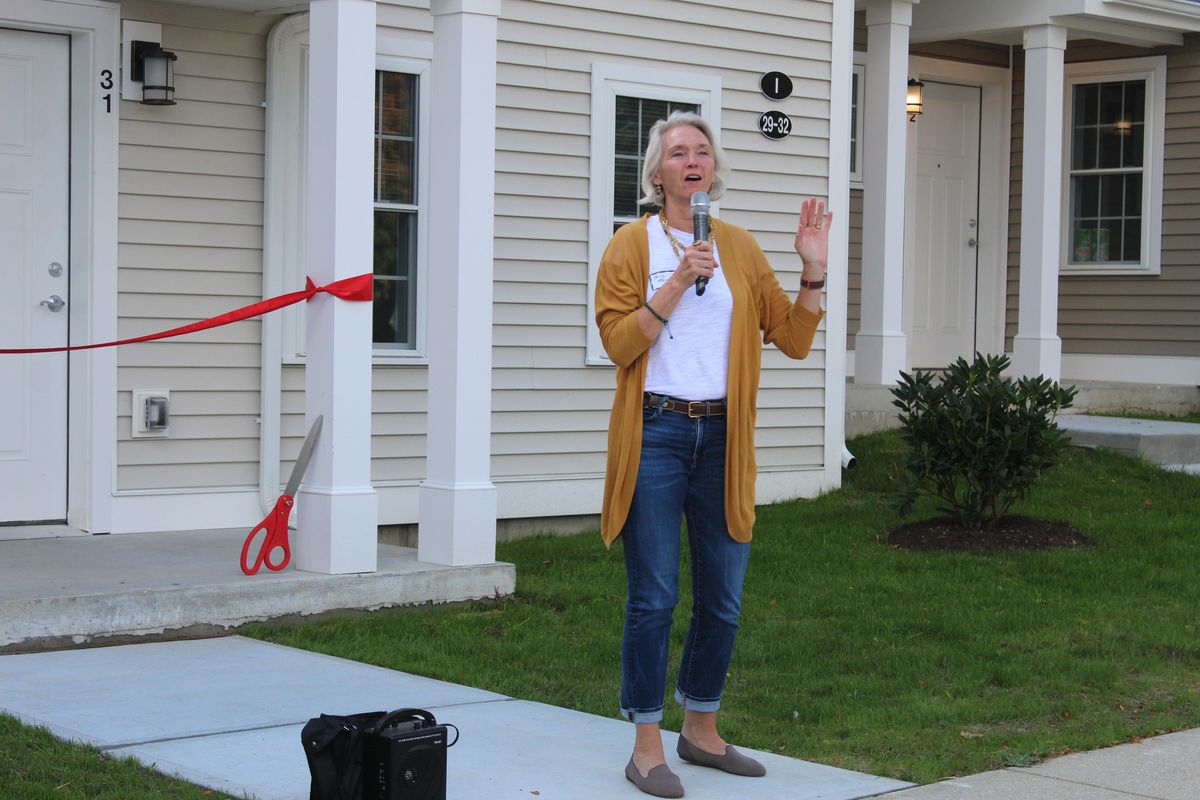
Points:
[(405, 758)]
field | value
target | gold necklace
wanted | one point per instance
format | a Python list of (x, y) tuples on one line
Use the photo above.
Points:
[(676, 245)]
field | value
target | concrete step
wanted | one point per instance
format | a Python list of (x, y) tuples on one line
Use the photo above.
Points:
[(1172, 444), (64, 591)]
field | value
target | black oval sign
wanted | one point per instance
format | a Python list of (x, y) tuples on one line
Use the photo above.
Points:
[(775, 125), (776, 85)]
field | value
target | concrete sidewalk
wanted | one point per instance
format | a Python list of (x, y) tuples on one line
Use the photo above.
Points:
[(226, 713)]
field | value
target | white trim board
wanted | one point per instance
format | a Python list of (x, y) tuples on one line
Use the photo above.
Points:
[(842, 66)]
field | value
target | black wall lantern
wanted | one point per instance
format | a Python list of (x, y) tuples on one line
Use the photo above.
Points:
[(155, 68), (915, 102)]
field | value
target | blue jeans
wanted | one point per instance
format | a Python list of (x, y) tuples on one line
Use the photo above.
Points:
[(681, 473)]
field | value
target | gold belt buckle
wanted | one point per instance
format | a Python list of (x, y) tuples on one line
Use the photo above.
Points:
[(703, 407)]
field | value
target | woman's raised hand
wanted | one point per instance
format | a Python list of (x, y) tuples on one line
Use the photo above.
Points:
[(812, 234)]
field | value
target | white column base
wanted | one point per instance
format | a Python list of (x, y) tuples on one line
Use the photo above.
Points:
[(353, 514), (457, 523), (879, 357), (1038, 356)]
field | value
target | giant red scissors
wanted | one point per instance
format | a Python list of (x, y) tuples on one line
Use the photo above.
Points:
[(274, 528)]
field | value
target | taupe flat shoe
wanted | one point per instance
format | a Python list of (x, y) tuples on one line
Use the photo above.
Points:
[(660, 782), (732, 762)]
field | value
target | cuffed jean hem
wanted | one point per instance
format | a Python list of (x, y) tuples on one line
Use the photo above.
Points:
[(692, 704), (642, 717)]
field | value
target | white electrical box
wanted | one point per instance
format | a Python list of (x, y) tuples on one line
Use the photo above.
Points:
[(151, 417)]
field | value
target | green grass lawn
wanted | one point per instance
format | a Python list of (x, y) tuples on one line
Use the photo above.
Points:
[(913, 665), (34, 765)]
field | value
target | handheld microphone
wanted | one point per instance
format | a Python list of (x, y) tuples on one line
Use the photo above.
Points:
[(700, 207)]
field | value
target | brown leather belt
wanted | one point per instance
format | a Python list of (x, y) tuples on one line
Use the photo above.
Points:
[(693, 408)]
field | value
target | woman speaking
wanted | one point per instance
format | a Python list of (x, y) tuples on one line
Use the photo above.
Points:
[(681, 433)]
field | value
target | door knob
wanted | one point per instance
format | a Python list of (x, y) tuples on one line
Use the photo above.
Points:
[(54, 303), (971, 242)]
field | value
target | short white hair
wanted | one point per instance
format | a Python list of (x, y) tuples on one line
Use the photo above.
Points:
[(652, 194)]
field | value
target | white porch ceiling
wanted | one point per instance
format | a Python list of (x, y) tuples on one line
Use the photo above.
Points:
[(1146, 23)]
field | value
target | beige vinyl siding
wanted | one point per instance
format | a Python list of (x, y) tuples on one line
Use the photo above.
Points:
[(854, 269), (189, 247), (550, 411), (1128, 315)]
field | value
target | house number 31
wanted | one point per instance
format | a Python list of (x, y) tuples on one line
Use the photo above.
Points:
[(106, 83)]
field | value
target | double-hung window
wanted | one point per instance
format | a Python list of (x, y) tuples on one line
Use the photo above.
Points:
[(396, 210), (399, 192), (1113, 161), (858, 90), (626, 102)]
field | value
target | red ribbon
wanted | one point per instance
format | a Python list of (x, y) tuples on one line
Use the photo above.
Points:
[(357, 288)]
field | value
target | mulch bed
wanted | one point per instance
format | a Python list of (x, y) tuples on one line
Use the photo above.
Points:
[(1009, 533)]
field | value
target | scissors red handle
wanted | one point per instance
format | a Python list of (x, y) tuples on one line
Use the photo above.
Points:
[(275, 535)]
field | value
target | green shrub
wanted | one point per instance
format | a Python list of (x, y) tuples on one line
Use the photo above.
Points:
[(977, 441)]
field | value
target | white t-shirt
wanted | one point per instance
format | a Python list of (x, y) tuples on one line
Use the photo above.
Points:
[(690, 357)]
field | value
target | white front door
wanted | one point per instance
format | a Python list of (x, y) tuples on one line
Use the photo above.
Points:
[(943, 278), (34, 271)]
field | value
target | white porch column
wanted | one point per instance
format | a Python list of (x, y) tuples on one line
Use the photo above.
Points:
[(338, 508), (880, 345), (457, 499), (1037, 350)]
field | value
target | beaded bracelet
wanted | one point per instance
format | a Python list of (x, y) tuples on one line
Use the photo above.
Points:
[(658, 317)]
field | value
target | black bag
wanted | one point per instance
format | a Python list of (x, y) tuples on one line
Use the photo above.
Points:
[(398, 755)]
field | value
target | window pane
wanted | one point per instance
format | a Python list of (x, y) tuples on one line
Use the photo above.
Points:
[(652, 112), (395, 272), (853, 122), (1135, 101), (1110, 147), (394, 172), (1108, 240), (1132, 250), (1112, 97), (1083, 233), (1085, 196), (395, 100), (626, 187), (1085, 101), (1133, 195), (1112, 195), (1083, 148), (391, 317), (1133, 143), (627, 126)]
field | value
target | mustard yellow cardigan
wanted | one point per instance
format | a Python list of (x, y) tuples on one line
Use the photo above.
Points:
[(759, 304)]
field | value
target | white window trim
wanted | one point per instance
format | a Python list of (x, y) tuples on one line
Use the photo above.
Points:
[(860, 69), (608, 81), (284, 257), (1154, 70)]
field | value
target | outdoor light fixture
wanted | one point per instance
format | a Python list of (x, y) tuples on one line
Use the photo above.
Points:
[(155, 68), (915, 103)]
